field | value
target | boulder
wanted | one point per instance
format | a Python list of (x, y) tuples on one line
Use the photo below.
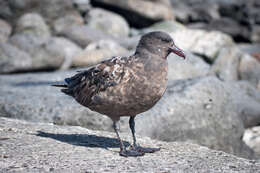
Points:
[(84, 35), (40, 147), (63, 22), (204, 43), (192, 11), (5, 30), (13, 59), (50, 10), (239, 32), (98, 51), (203, 110), (63, 48), (249, 69), (249, 48), (246, 99), (108, 22), (47, 53), (133, 10), (32, 23), (165, 26), (226, 64), (192, 66), (252, 138)]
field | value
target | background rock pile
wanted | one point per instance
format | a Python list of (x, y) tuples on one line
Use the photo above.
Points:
[(213, 97)]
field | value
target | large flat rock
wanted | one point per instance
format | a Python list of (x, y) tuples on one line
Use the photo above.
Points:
[(202, 110), (38, 147)]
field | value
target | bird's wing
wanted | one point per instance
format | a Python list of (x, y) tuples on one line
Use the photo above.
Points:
[(84, 85)]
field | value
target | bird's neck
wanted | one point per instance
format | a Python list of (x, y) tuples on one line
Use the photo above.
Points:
[(152, 62)]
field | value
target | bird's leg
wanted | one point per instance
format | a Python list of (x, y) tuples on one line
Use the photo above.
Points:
[(123, 151), (135, 146)]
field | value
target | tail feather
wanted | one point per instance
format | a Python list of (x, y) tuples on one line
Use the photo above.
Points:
[(60, 84)]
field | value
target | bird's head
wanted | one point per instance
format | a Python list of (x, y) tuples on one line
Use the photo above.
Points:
[(159, 43)]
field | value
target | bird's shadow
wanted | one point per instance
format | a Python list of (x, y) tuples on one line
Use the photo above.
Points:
[(86, 140)]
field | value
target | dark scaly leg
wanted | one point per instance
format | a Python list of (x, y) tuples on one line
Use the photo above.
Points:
[(135, 146), (123, 151)]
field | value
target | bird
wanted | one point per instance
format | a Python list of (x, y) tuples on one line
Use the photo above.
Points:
[(126, 86)]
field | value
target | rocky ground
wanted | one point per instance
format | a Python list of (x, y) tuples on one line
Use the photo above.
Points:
[(39, 147), (213, 97)]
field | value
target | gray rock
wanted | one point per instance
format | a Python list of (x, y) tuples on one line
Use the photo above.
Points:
[(255, 35), (249, 69), (46, 53), (98, 51), (165, 26), (226, 64), (35, 46), (53, 106), (207, 44), (38, 147), (249, 48), (231, 27), (191, 67), (252, 138), (189, 12), (50, 10), (129, 43), (139, 13), (82, 5), (204, 111), (247, 101), (5, 30), (63, 48), (32, 23), (201, 111), (60, 24), (83, 35), (108, 22), (13, 59)]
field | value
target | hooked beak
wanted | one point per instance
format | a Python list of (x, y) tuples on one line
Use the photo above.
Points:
[(177, 51)]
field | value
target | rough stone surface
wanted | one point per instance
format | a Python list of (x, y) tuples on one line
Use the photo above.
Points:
[(165, 26), (64, 49), (34, 147), (247, 102), (238, 18), (252, 138), (63, 22), (5, 30), (201, 42), (199, 110), (32, 23), (47, 53), (13, 59), (250, 48), (178, 67), (83, 35), (249, 69), (226, 64), (204, 111), (108, 22), (133, 10), (98, 51), (50, 10)]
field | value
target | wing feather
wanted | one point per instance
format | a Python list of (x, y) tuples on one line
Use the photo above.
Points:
[(86, 84)]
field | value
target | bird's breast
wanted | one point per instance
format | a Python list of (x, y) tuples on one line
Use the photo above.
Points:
[(140, 89)]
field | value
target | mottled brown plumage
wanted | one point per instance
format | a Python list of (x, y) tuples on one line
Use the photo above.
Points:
[(126, 86)]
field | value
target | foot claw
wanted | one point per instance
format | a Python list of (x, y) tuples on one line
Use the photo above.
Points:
[(145, 150), (131, 153)]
